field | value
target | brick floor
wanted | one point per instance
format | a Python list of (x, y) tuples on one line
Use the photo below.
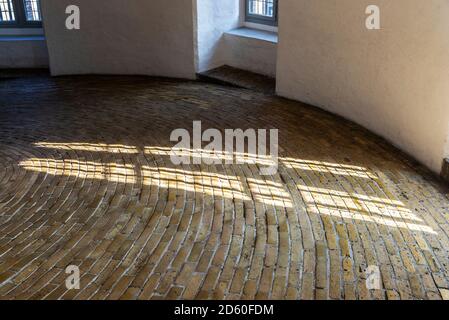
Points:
[(86, 180)]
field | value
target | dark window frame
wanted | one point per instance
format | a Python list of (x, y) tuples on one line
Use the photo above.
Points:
[(255, 18), (20, 15)]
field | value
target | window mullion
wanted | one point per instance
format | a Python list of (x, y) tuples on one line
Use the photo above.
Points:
[(19, 12)]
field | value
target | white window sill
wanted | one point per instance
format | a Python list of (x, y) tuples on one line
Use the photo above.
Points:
[(255, 34), (21, 32)]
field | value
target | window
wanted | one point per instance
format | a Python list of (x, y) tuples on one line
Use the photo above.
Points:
[(20, 13), (262, 11)]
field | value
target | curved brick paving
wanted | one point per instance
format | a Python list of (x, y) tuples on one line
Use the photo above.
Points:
[(85, 179)]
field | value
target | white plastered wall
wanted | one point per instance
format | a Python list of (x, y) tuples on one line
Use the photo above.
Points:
[(154, 37), (394, 81)]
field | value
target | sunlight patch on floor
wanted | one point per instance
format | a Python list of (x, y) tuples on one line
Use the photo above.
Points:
[(320, 199), (93, 147)]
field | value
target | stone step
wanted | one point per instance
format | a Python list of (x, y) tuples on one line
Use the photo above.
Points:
[(227, 75)]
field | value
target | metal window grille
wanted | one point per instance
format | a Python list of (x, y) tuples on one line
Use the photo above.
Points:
[(32, 10), (262, 11), (20, 13), (6, 11)]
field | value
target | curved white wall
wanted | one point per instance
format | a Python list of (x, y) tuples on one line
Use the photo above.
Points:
[(394, 81), (148, 37)]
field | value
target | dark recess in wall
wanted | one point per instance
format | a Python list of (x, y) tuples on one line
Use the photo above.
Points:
[(445, 170)]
